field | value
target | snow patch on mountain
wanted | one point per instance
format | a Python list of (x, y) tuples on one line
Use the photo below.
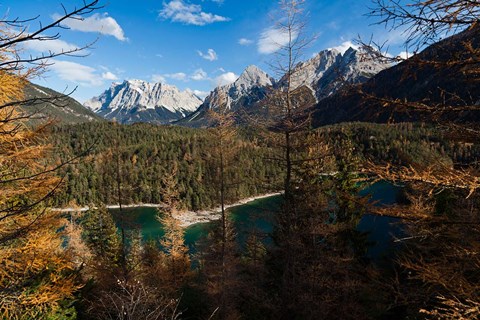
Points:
[(141, 101)]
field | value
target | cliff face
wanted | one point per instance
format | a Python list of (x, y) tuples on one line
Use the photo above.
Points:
[(140, 101), (444, 74), (323, 75)]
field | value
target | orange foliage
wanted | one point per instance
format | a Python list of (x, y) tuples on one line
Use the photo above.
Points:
[(36, 271)]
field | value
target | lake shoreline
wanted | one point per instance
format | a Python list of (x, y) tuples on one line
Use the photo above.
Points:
[(186, 218), (189, 218), (113, 206)]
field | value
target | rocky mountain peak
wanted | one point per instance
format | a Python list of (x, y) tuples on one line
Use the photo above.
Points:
[(329, 70), (254, 76), (141, 101), (247, 89), (308, 72)]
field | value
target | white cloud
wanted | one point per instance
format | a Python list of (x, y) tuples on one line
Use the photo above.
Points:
[(245, 42), (345, 46), (77, 73), (179, 11), (102, 24), (109, 76), (54, 46), (273, 39), (225, 78), (159, 78), (199, 75), (201, 94), (210, 55), (180, 76)]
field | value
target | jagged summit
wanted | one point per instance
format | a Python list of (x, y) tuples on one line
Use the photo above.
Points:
[(140, 101), (247, 89), (250, 88), (324, 74), (331, 69), (254, 76), (308, 72)]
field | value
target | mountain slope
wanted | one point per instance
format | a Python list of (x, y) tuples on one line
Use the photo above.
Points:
[(47, 103), (323, 75), (139, 101), (414, 80), (250, 88), (330, 70), (245, 91)]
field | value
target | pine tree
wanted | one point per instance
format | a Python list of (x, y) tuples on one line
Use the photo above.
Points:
[(101, 236)]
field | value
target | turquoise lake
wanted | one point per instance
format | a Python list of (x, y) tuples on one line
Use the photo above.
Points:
[(259, 214), (260, 211)]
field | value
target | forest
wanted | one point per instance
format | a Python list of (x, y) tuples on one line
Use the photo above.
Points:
[(86, 265), (147, 153)]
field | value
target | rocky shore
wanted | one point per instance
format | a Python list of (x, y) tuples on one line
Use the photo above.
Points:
[(186, 218)]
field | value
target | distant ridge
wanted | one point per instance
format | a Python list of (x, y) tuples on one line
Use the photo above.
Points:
[(323, 75), (415, 81), (140, 101), (48, 103)]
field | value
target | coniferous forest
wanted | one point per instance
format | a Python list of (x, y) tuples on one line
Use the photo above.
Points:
[(147, 153), (305, 254)]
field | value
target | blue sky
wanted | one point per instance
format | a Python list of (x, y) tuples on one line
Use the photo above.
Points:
[(194, 44)]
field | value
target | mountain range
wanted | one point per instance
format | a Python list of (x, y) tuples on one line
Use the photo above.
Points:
[(324, 74), (344, 87), (139, 101), (443, 74)]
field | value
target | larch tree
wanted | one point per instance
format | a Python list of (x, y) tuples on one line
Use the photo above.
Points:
[(219, 259), (288, 125), (176, 260), (37, 277), (443, 214), (316, 225), (455, 109)]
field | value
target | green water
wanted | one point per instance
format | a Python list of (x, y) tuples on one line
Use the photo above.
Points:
[(145, 219), (256, 214), (259, 215)]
